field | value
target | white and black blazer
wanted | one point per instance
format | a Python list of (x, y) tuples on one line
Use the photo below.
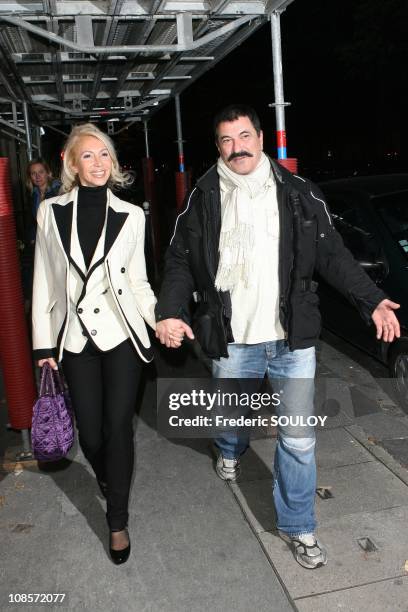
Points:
[(108, 302)]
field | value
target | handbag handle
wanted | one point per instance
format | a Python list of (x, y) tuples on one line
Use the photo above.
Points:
[(51, 382)]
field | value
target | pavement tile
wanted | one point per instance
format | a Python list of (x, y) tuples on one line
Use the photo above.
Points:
[(383, 426), (391, 595), (332, 399), (28, 548), (334, 448), (398, 448), (355, 488), (255, 499), (192, 549), (348, 565), (358, 488)]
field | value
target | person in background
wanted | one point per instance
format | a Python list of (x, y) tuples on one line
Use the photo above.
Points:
[(91, 299), (41, 185)]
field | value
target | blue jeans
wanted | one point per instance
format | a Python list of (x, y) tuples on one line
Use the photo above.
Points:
[(294, 465)]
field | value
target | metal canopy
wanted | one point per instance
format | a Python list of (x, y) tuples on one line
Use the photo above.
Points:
[(77, 60)]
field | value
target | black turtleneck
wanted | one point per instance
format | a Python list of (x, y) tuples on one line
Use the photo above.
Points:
[(90, 218)]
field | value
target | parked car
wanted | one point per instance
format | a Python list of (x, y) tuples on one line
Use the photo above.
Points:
[(371, 214)]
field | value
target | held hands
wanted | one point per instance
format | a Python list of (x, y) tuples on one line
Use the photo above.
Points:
[(171, 332), (385, 321), (50, 360)]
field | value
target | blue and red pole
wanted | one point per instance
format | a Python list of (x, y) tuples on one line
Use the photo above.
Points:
[(288, 162)]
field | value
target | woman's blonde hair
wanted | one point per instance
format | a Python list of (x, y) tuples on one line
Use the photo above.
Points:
[(69, 178), (43, 163)]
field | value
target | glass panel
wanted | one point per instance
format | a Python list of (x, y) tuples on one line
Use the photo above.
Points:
[(393, 210)]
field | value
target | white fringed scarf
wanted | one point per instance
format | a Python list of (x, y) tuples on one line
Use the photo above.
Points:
[(238, 193)]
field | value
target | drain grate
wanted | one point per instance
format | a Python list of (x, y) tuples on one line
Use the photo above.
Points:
[(367, 545), (324, 492)]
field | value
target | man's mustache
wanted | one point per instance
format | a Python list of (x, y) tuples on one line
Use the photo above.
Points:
[(239, 154)]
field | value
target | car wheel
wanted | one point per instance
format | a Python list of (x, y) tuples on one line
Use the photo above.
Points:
[(398, 366)]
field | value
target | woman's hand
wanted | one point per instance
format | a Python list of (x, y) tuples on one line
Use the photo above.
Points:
[(49, 360), (171, 332)]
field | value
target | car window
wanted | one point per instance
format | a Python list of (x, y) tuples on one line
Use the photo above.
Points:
[(351, 222), (340, 203), (345, 210), (393, 209)]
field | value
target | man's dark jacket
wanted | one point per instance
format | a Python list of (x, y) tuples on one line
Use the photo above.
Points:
[(308, 243)]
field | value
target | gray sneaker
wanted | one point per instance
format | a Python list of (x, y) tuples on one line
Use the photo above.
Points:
[(308, 551), (227, 469)]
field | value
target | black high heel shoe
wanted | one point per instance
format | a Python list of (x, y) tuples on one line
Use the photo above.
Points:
[(119, 556)]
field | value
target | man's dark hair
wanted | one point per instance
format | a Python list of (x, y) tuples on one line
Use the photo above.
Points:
[(233, 112)]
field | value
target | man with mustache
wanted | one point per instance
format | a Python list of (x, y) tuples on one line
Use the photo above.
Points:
[(247, 244)]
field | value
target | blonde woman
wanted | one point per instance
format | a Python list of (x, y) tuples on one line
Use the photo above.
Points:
[(91, 303)]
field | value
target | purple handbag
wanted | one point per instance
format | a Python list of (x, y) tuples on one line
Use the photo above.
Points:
[(52, 430)]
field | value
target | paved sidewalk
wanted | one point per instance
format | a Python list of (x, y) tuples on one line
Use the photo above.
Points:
[(199, 544), (192, 548)]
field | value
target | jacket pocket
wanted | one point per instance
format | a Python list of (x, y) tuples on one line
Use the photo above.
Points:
[(306, 319), (307, 243), (208, 329), (51, 305)]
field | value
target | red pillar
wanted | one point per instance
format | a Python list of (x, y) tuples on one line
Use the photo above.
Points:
[(181, 188), (15, 348), (290, 163)]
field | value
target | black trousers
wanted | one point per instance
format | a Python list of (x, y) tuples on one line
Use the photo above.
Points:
[(103, 389)]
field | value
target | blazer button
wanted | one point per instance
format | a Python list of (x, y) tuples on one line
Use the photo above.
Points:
[(123, 270), (80, 310), (120, 291), (96, 310), (93, 332)]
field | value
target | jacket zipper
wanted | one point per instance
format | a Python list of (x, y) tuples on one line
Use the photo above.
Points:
[(212, 231), (210, 247), (283, 303)]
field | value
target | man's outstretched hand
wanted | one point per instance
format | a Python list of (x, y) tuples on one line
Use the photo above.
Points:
[(386, 322), (171, 332)]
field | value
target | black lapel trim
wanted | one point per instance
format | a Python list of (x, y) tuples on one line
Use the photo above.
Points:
[(63, 218), (77, 268), (85, 278), (95, 265), (146, 352), (114, 224)]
